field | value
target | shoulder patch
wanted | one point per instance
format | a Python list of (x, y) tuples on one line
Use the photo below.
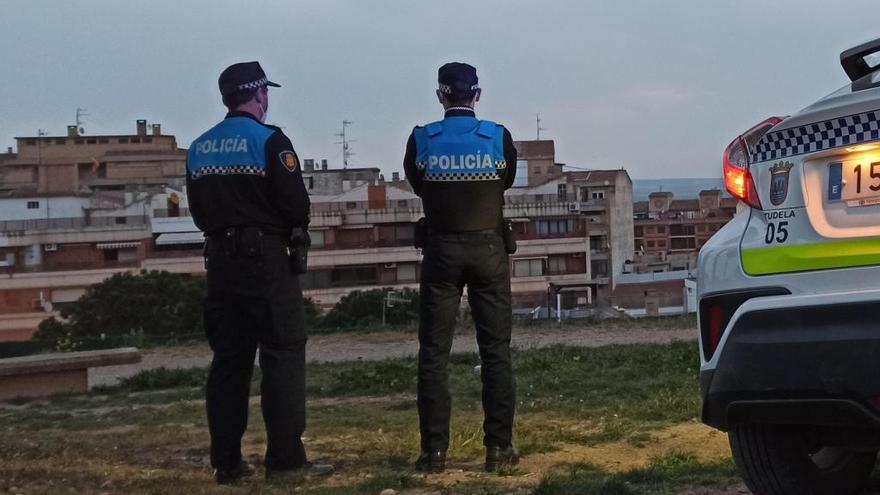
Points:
[(288, 159)]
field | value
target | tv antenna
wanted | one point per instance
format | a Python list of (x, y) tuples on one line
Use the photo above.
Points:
[(538, 127), (80, 113), (346, 143)]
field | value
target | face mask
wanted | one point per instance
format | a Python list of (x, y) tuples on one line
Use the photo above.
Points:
[(265, 113)]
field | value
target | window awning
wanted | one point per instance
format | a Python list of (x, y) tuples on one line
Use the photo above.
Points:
[(172, 238), (117, 245)]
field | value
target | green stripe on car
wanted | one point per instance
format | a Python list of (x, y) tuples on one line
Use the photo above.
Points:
[(817, 256)]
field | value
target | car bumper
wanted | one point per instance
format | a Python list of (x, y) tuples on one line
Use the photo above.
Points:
[(797, 360)]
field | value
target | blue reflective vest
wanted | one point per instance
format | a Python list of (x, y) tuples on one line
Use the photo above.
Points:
[(237, 145), (460, 149)]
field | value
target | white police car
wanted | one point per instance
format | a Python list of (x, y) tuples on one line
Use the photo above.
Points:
[(789, 295)]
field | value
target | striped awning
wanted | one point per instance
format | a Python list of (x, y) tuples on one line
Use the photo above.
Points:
[(172, 238), (117, 245)]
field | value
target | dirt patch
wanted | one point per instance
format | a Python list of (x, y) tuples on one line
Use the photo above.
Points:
[(706, 444)]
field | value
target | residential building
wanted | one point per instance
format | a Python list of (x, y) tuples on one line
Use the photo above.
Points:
[(75, 164), (575, 237), (669, 232)]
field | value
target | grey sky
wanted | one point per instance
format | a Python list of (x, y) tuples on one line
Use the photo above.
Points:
[(656, 87)]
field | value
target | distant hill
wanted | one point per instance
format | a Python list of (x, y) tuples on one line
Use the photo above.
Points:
[(680, 188)]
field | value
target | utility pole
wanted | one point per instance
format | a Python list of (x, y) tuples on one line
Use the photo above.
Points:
[(80, 113), (40, 172), (538, 127), (346, 147)]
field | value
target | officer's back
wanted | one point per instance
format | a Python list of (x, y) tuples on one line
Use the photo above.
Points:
[(460, 167)]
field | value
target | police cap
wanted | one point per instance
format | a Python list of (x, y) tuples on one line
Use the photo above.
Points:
[(457, 79), (243, 76)]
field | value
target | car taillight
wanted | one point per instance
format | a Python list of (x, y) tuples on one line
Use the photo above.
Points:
[(737, 178), (716, 311), (715, 320)]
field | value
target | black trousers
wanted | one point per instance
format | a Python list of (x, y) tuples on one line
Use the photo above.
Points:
[(255, 303), (450, 263)]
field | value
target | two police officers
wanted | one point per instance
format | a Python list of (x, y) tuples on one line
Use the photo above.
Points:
[(246, 192), (460, 167)]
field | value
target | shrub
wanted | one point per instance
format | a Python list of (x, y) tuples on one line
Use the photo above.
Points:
[(364, 308), (126, 307)]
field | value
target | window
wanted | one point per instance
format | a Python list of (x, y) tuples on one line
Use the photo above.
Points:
[(650, 244), (556, 264), (135, 140), (597, 243), (91, 141), (121, 220), (350, 205), (599, 268), (148, 140), (30, 142), (661, 243), (123, 140), (79, 141), (60, 141), (561, 192), (406, 272), (528, 268), (401, 203), (103, 141), (33, 205), (522, 174), (684, 243), (598, 195), (639, 231), (317, 238), (661, 229), (356, 275), (310, 182), (555, 227)]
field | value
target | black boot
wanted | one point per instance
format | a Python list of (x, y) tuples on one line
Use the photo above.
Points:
[(497, 457), (431, 462), (232, 476)]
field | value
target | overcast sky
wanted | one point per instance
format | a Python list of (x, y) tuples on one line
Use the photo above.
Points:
[(657, 87)]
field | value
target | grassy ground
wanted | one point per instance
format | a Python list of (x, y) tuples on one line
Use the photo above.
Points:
[(611, 420)]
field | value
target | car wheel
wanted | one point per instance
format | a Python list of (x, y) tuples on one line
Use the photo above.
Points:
[(781, 460)]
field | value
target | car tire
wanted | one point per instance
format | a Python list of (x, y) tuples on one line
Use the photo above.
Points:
[(778, 460)]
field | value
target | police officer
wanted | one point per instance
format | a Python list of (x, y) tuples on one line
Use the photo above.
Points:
[(460, 167), (246, 192)]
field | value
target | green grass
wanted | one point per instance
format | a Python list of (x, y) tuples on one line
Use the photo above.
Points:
[(148, 434), (669, 474)]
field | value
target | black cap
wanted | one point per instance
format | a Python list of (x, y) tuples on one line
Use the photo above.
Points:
[(243, 76), (458, 79)]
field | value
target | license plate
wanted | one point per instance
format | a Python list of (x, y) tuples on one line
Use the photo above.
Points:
[(857, 182)]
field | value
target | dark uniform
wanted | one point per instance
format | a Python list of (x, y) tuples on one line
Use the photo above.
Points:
[(460, 167), (246, 192)]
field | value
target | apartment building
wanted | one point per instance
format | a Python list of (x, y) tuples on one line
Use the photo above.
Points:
[(669, 232), (75, 163), (575, 236)]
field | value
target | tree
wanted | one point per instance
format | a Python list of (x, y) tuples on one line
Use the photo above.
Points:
[(364, 308), (149, 303)]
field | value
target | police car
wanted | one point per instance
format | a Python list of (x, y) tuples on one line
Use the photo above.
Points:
[(789, 294)]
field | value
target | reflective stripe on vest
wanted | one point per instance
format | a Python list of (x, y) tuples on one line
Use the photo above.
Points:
[(236, 145), (460, 149)]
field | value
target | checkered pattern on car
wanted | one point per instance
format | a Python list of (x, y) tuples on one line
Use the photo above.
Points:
[(235, 170), (834, 133)]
